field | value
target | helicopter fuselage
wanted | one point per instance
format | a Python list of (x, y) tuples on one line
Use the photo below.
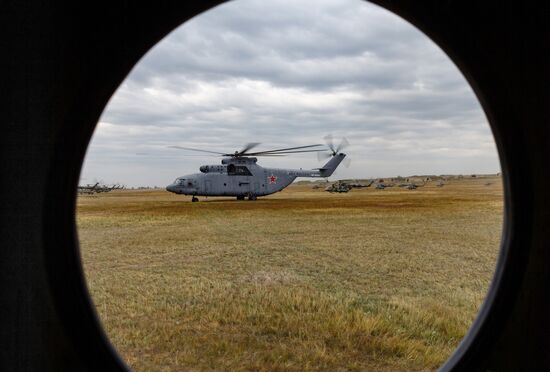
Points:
[(243, 177)]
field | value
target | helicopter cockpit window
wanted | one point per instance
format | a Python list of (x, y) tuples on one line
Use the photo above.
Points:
[(179, 181), (238, 170)]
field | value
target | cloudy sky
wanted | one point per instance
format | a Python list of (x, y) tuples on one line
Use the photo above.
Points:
[(286, 73)]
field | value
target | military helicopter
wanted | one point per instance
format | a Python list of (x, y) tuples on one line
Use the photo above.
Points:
[(97, 188), (239, 174)]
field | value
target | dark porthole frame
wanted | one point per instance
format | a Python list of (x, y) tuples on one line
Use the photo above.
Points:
[(63, 62)]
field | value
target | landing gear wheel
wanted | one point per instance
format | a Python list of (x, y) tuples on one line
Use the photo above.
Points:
[(240, 197), (251, 197), (194, 199)]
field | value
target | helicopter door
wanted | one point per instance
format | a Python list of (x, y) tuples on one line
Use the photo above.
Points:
[(256, 188), (207, 187)]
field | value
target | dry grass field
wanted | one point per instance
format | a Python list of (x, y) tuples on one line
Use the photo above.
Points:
[(301, 280)]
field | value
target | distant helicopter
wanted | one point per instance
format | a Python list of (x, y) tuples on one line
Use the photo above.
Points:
[(342, 186), (241, 176), (97, 188)]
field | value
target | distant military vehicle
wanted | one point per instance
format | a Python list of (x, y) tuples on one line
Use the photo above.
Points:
[(357, 185), (343, 186), (382, 184), (97, 188), (87, 189), (409, 185), (412, 184), (239, 174), (338, 187)]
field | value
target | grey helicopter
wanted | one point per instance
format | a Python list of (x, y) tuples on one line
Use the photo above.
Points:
[(240, 175)]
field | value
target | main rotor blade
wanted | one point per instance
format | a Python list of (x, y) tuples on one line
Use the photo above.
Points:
[(289, 152), (247, 147), (285, 149), (192, 149)]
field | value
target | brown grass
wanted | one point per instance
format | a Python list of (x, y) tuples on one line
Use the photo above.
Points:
[(372, 279)]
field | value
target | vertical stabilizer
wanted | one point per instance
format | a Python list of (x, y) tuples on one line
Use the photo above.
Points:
[(331, 165)]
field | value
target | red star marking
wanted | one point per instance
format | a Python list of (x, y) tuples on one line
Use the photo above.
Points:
[(272, 179)]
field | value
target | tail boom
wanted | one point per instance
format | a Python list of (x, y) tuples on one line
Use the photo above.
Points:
[(325, 171)]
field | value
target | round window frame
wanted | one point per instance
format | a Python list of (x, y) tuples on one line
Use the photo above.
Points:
[(66, 279)]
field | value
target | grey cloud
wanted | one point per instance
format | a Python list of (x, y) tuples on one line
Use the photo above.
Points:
[(288, 44), (286, 73)]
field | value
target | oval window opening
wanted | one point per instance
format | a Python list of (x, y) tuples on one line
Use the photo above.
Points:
[(222, 226)]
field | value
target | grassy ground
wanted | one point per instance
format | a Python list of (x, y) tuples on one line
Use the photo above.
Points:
[(301, 280)]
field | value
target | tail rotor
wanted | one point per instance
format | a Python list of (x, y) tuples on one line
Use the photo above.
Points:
[(323, 155), (343, 144), (334, 151), (347, 162)]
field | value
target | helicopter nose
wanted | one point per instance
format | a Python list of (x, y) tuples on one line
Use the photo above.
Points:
[(171, 188)]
